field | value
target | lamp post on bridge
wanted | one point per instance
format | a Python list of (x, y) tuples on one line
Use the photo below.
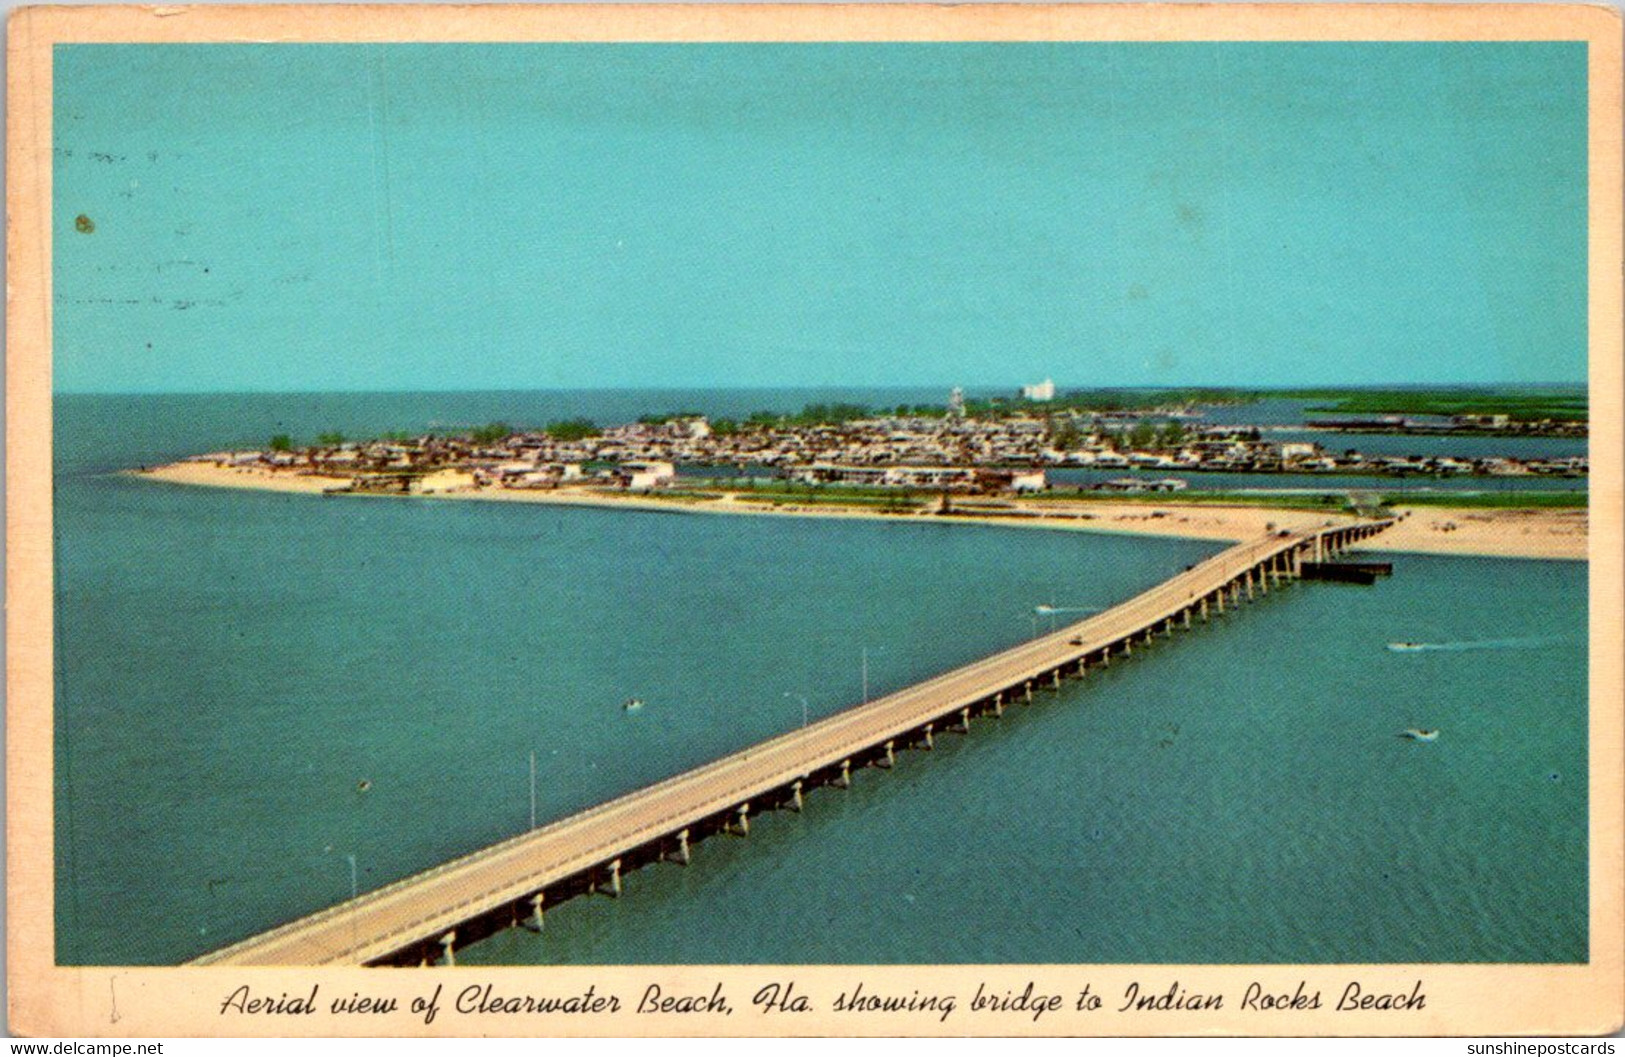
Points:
[(804, 706), (877, 649)]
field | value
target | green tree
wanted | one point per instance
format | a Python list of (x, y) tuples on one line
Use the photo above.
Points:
[(281, 442), (724, 427), (831, 414), (1142, 436), (1173, 435), (572, 429), (1066, 436), (331, 439), (490, 433)]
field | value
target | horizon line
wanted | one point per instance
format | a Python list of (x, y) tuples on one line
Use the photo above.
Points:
[(1016, 388)]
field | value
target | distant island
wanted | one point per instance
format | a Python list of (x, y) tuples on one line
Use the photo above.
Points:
[(984, 459)]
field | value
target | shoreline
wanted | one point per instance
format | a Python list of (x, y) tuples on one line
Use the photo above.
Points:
[(1554, 535)]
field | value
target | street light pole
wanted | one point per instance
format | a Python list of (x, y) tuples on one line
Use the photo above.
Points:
[(803, 700), (878, 649)]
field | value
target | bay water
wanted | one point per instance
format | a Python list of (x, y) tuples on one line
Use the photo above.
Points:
[(265, 702)]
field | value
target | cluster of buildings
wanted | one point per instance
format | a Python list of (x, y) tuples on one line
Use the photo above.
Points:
[(1236, 450), (1459, 424), (936, 478), (1005, 454)]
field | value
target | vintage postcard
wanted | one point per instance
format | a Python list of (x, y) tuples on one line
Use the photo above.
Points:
[(826, 520)]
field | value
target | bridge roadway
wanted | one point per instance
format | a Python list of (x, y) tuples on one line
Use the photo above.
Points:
[(404, 921)]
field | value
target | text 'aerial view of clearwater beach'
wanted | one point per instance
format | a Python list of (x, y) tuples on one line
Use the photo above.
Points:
[(719, 504)]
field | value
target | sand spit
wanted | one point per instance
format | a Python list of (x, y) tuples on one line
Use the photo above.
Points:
[(1517, 533)]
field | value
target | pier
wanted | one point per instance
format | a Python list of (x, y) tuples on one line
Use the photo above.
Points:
[(423, 919)]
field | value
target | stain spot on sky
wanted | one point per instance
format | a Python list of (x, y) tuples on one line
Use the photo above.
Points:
[(83, 224)]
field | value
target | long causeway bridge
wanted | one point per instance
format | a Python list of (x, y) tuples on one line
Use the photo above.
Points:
[(422, 919)]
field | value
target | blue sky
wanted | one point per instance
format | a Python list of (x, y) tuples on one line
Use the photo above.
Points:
[(279, 217)]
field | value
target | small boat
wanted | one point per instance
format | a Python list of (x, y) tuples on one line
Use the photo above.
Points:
[(1419, 734), (632, 704), (1406, 647), (363, 785)]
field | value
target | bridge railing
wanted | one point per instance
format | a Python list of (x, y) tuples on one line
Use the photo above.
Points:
[(707, 790)]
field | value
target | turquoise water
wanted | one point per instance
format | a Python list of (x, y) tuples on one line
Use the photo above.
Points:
[(1235, 795), (232, 665)]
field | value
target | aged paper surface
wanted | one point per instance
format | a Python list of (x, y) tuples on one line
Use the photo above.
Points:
[(1434, 998)]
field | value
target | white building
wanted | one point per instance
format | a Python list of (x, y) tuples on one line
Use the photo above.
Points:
[(638, 476), (1043, 392), (442, 481), (1028, 481)]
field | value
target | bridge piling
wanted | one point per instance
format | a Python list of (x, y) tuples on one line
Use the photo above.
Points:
[(488, 890)]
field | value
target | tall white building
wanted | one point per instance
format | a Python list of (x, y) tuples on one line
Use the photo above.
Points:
[(1043, 391)]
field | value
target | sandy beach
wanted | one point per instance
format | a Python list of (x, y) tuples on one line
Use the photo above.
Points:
[(1551, 534), (213, 475), (1558, 534)]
